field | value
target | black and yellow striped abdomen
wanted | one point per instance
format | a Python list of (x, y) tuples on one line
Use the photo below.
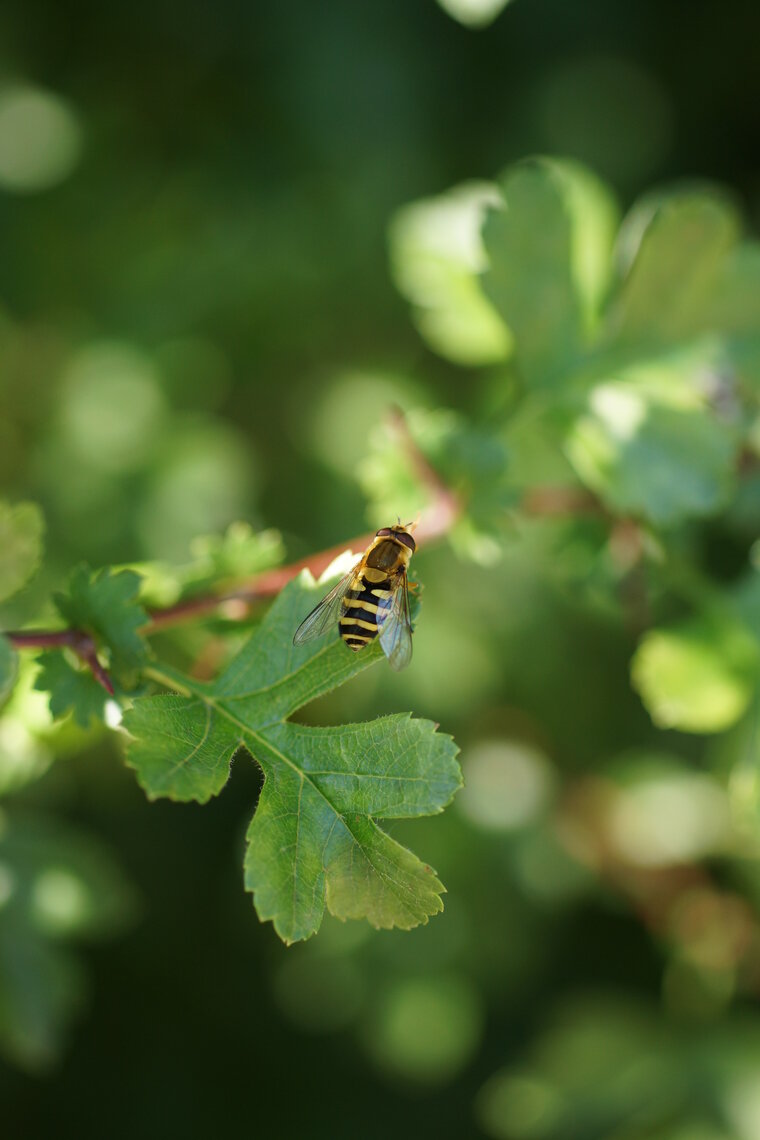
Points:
[(364, 605)]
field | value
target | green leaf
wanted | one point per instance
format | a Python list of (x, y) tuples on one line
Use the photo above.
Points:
[(313, 840), (105, 604), (436, 255), (548, 248), (21, 530), (674, 249), (698, 676), (71, 689), (8, 665), (649, 445)]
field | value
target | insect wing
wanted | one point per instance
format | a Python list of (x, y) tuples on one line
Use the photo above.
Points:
[(325, 614), (396, 629)]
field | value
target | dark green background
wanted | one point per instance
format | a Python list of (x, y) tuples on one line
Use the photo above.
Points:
[(241, 163)]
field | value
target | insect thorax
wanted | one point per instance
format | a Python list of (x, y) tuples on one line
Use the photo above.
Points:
[(388, 556)]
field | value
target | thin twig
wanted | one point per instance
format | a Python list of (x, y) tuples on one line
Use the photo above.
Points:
[(80, 642), (435, 521)]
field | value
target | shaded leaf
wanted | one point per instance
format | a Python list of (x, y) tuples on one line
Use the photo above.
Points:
[(71, 689), (673, 249), (313, 840), (21, 530)]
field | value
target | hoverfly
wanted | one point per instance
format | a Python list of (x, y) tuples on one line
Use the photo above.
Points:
[(372, 600)]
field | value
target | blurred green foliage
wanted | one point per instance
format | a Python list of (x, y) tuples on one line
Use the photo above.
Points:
[(198, 326)]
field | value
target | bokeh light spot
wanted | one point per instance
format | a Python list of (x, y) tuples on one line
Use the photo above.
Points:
[(200, 485), (427, 1028), (670, 819), (40, 139), (473, 13), (356, 397), (112, 407), (60, 900), (742, 1100), (506, 784), (517, 1106)]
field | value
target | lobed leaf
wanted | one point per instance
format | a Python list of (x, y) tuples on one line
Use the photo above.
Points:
[(313, 841)]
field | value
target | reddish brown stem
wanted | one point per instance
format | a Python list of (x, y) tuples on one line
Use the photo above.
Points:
[(434, 522), (77, 640)]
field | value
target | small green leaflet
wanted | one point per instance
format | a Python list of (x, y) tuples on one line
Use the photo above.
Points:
[(105, 604), (70, 689), (313, 840)]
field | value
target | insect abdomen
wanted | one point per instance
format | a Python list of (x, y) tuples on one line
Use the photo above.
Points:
[(362, 603)]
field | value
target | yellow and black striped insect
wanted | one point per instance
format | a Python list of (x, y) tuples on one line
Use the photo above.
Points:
[(372, 600)]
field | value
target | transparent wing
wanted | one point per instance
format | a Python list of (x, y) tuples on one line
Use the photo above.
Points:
[(325, 614), (396, 629)]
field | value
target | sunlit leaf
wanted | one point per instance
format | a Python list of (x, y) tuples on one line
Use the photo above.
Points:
[(21, 530), (436, 255), (313, 840), (649, 445), (698, 676)]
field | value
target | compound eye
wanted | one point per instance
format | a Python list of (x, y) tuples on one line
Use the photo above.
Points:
[(407, 540), (384, 532)]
